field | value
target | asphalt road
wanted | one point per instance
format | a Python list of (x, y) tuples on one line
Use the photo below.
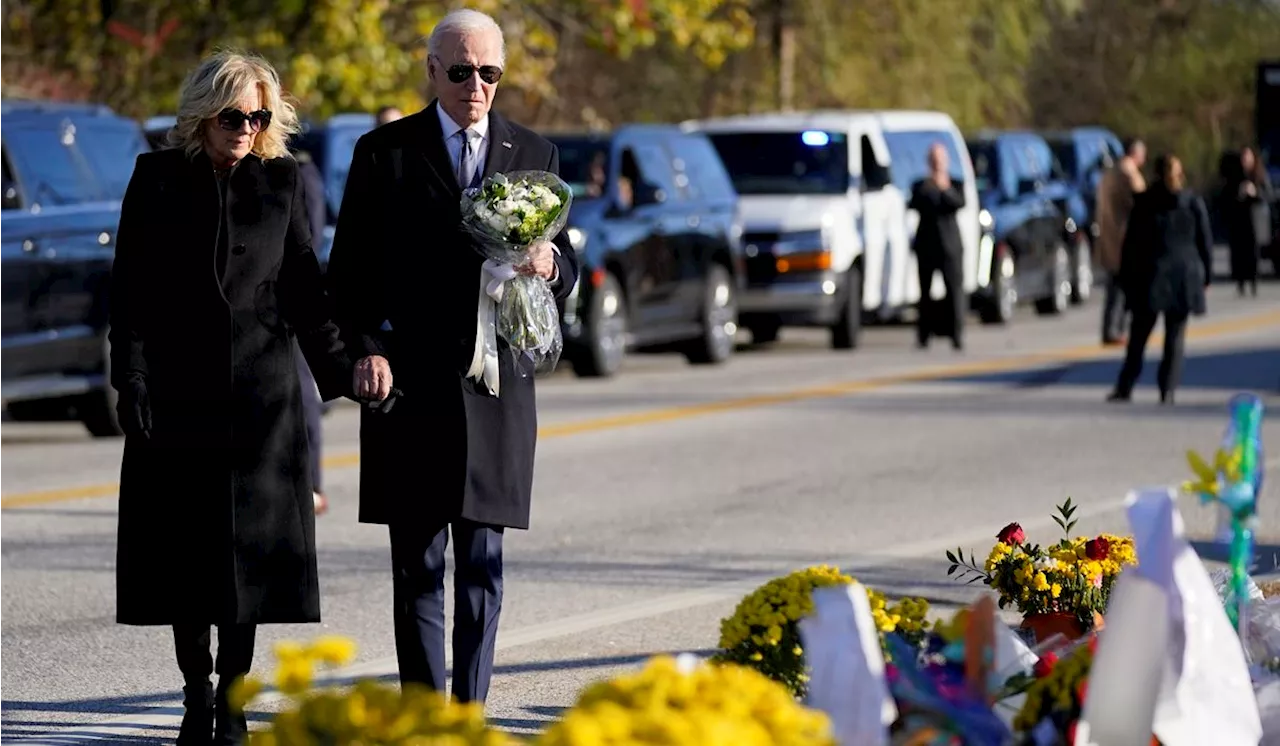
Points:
[(661, 497)]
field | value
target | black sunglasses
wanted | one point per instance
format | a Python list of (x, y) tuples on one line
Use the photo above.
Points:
[(488, 73), (233, 119)]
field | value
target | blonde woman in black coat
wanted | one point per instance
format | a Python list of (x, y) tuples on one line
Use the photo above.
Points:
[(1165, 267), (214, 280)]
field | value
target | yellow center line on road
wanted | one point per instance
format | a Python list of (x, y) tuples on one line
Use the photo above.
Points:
[(1208, 330)]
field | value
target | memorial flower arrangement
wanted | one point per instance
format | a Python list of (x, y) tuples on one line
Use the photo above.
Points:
[(506, 215), (1072, 578), (678, 701), (366, 713), (670, 701), (762, 631)]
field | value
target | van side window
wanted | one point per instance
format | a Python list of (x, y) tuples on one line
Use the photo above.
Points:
[(655, 167), (12, 200), (628, 177), (875, 175), (707, 178)]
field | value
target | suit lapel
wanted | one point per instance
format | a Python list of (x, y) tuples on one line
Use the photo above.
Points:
[(433, 149), (502, 146)]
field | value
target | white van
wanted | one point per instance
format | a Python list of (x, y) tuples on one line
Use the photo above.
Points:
[(909, 135), (824, 224)]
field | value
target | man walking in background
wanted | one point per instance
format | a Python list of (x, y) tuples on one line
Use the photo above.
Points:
[(938, 249), (1116, 191)]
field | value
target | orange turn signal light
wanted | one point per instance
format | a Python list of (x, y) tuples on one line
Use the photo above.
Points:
[(815, 261)]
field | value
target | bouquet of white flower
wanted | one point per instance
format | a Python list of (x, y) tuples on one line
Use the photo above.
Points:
[(508, 213)]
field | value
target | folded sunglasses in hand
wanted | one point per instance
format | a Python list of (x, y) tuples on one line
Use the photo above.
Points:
[(386, 404)]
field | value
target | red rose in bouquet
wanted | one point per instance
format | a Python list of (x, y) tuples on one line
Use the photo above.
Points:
[(1097, 549), (1012, 535)]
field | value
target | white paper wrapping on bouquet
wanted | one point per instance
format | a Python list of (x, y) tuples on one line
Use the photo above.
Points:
[(484, 362), (1129, 667), (847, 676), (1012, 656), (1268, 698), (1206, 695)]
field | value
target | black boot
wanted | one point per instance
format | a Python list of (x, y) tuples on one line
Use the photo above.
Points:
[(235, 655), (197, 720), (191, 643)]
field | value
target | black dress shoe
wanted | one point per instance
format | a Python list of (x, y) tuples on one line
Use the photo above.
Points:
[(1119, 396), (197, 720), (1166, 397)]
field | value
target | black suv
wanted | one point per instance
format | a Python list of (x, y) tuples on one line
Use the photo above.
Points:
[(655, 222), (66, 167)]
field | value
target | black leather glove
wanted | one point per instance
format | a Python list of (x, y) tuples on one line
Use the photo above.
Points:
[(385, 405), (133, 408)]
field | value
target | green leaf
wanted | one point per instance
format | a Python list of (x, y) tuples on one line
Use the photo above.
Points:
[(951, 557), (952, 569)]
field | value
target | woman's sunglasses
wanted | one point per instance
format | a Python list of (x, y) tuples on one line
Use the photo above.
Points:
[(461, 73), (232, 120)]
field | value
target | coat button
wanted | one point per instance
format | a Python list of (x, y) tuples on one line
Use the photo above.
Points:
[(238, 249)]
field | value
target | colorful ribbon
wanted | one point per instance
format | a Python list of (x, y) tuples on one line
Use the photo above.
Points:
[(1235, 481)]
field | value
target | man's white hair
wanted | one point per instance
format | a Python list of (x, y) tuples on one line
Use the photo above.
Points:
[(466, 21)]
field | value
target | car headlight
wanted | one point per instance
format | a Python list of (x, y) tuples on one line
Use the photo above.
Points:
[(577, 238)]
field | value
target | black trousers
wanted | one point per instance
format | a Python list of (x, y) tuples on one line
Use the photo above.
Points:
[(946, 317), (313, 408), (1113, 311), (418, 564), (1175, 335), (192, 643)]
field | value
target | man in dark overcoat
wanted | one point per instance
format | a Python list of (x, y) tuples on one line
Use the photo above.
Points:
[(455, 452), (938, 248)]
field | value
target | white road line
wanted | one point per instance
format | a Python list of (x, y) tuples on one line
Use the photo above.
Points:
[(150, 718)]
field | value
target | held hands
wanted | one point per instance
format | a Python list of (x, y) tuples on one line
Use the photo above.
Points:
[(541, 262), (372, 378)]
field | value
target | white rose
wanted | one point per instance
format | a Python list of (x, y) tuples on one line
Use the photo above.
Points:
[(505, 207), (548, 201)]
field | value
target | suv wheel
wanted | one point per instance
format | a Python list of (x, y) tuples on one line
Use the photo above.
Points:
[(719, 319), (97, 410), (999, 307), (844, 335), (606, 338), (1060, 285)]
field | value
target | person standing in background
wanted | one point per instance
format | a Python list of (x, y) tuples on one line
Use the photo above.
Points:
[(938, 248), (1166, 265), (1246, 213), (312, 404), (387, 114), (1116, 194)]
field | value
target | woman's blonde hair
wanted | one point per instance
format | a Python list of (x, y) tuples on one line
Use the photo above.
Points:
[(218, 84)]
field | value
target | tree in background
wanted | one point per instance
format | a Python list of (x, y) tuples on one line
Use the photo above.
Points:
[(1178, 72)]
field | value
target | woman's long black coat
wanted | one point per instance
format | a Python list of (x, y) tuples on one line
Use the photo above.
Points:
[(1247, 220), (1167, 259), (217, 523)]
